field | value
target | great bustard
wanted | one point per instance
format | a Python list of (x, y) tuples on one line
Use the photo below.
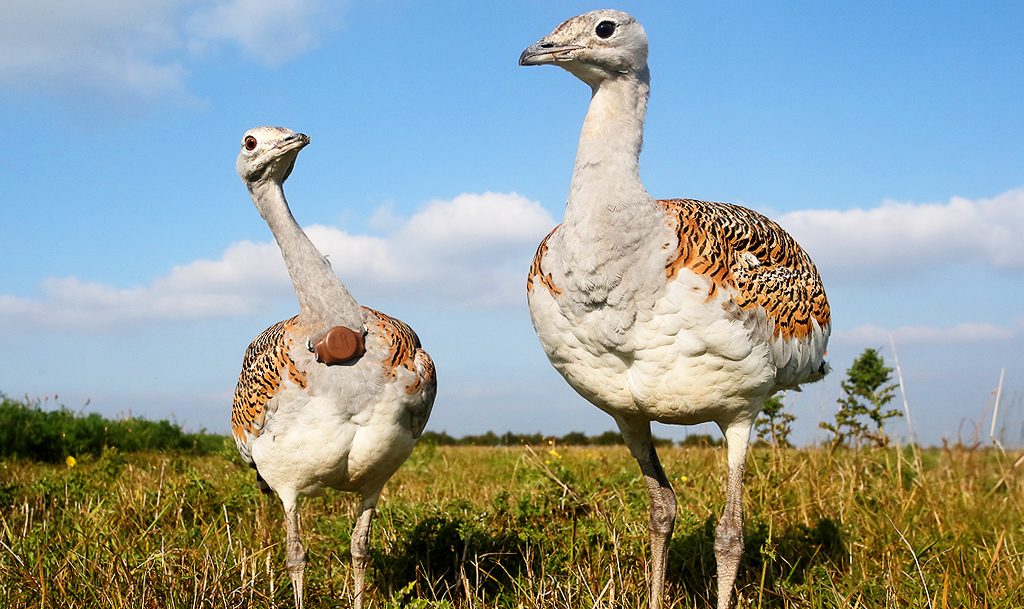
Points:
[(334, 397), (676, 311)]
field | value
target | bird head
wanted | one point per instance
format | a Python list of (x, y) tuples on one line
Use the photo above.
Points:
[(268, 154), (594, 47)]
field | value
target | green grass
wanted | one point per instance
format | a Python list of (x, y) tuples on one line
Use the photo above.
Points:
[(565, 527)]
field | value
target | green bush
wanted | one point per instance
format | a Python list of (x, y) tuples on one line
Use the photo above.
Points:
[(29, 432)]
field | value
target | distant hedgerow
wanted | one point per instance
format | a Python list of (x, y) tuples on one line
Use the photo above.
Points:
[(573, 438), (28, 431)]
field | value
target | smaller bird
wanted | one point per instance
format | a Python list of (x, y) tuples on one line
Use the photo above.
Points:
[(334, 397)]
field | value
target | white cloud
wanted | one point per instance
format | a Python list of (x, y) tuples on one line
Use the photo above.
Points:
[(471, 251), (970, 332), (70, 44), (141, 47), (272, 31), (201, 289), (895, 240), (474, 251)]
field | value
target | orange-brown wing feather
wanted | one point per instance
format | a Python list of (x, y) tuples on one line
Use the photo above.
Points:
[(537, 268), (401, 339), (405, 351), (740, 249), (265, 364)]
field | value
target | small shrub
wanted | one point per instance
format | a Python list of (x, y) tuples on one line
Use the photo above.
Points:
[(774, 425), (866, 391)]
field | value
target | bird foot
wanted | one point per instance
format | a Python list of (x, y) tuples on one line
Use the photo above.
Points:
[(297, 577)]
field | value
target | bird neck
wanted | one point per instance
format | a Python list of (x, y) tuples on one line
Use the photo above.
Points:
[(613, 231), (323, 299), (606, 178)]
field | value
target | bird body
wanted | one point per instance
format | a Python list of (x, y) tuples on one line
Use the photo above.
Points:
[(683, 343), (334, 397), (347, 428), (676, 311)]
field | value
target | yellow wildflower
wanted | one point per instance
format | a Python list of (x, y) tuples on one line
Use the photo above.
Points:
[(71, 461)]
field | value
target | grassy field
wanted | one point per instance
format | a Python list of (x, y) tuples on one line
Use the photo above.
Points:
[(552, 527)]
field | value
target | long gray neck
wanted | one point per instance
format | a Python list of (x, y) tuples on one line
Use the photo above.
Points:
[(322, 297), (613, 230), (606, 176)]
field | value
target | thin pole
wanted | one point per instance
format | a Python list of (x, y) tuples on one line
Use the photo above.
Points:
[(903, 393), (995, 409)]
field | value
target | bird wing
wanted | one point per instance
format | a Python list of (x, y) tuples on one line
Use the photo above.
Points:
[(265, 365), (741, 250), (406, 352), (537, 273)]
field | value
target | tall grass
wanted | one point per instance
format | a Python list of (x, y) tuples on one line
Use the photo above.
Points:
[(551, 527)]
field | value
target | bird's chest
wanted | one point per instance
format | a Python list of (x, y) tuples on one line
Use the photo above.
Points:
[(344, 429), (681, 359), (585, 348), (601, 284)]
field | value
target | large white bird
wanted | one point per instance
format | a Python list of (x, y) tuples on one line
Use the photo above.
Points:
[(334, 397), (676, 311)]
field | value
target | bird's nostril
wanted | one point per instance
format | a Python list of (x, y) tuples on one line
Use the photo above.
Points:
[(547, 45)]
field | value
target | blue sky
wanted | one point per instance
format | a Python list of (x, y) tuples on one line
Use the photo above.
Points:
[(889, 139)]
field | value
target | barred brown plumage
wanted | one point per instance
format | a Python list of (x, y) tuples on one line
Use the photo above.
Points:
[(537, 268), (717, 240), (401, 338), (265, 365), (407, 353)]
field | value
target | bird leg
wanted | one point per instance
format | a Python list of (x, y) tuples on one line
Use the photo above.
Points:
[(637, 435), (295, 558), (729, 533), (361, 548)]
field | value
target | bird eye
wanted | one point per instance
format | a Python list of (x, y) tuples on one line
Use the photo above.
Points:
[(605, 29), (249, 142)]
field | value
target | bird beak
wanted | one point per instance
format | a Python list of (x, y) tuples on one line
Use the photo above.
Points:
[(542, 52), (296, 142)]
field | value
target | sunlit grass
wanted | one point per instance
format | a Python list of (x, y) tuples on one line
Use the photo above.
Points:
[(518, 527)]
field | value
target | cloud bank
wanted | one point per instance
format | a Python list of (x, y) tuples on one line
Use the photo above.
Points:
[(471, 251), (970, 332), (271, 31), (896, 240), (141, 48)]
